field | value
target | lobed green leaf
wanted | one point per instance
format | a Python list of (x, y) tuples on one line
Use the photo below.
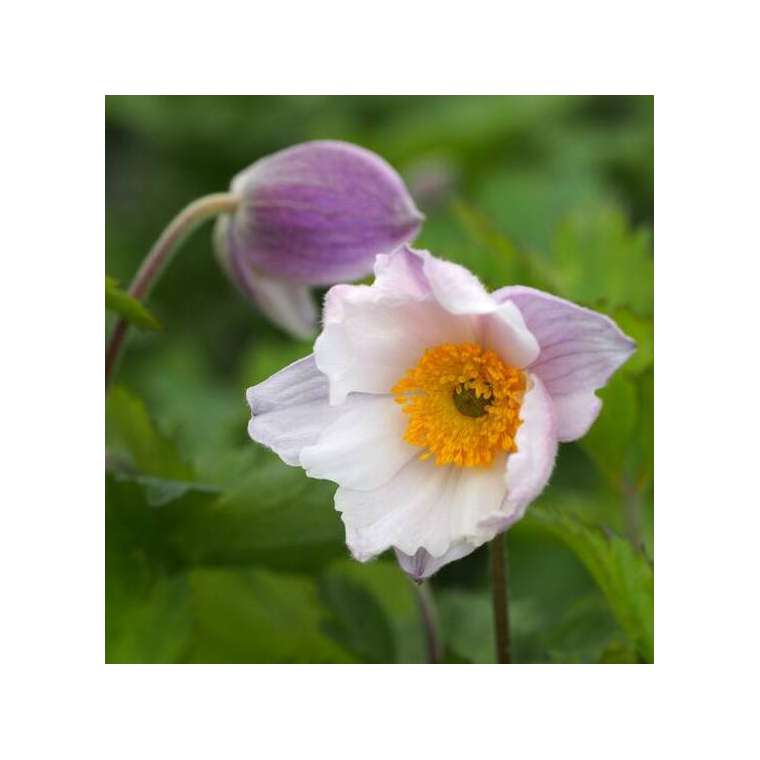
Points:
[(624, 575)]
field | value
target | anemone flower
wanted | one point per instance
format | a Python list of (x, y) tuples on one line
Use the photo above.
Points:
[(436, 407)]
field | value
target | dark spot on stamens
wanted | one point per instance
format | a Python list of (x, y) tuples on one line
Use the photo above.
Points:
[(469, 404)]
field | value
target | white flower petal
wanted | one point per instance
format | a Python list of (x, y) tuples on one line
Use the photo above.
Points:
[(455, 288), (290, 409), (423, 506), (373, 334), (529, 469), (364, 448), (505, 332), (434, 515), (402, 272), (502, 327), (370, 338)]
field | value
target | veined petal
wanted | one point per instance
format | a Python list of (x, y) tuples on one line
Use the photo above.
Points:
[(290, 409), (364, 447), (320, 211), (580, 349)]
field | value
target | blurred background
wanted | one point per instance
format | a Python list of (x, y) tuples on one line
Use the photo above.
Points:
[(218, 552)]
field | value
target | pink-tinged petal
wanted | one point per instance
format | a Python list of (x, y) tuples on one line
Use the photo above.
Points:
[(290, 409), (529, 469), (457, 289), (401, 272), (364, 448), (580, 349), (576, 413), (371, 337), (373, 334), (501, 326), (506, 333)]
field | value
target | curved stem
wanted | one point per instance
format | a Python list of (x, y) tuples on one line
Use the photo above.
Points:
[(500, 596), (159, 255), (427, 613)]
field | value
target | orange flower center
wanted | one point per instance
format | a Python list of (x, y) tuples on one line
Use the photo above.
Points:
[(463, 404)]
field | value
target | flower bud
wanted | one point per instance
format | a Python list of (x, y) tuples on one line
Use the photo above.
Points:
[(314, 214)]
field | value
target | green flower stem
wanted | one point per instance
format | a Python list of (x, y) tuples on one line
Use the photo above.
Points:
[(429, 622), (160, 254), (500, 596)]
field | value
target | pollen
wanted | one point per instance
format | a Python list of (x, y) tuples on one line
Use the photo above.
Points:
[(463, 404)]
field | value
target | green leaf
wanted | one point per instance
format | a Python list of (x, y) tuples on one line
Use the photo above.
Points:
[(120, 302), (466, 620), (621, 441), (613, 438), (598, 260), (160, 535), (132, 436), (147, 598), (624, 575), (528, 203), (359, 622), (249, 616), (203, 413), (270, 356), (495, 257), (587, 632), (277, 518), (578, 632), (375, 611), (646, 431), (149, 623), (144, 518)]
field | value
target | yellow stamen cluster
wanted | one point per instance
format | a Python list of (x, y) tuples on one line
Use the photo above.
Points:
[(463, 403)]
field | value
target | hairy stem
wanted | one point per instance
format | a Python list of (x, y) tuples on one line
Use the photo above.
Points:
[(158, 257), (429, 622), (500, 597)]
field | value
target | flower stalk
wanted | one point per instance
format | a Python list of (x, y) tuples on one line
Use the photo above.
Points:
[(429, 622), (178, 230), (500, 598)]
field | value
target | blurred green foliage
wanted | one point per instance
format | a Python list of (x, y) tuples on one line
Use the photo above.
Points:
[(218, 552)]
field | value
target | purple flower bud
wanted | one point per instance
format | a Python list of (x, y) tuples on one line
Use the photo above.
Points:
[(314, 214)]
